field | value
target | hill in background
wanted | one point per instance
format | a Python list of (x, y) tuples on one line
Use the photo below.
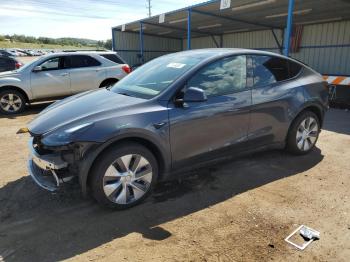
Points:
[(22, 41)]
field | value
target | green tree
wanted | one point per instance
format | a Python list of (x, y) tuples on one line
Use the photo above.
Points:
[(108, 44)]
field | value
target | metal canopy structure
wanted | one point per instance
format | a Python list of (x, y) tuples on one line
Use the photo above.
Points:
[(207, 19)]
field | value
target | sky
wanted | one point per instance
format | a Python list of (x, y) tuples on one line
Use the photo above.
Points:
[(91, 19)]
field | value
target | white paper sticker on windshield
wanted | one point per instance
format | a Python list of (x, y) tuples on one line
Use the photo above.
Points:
[(176, 65)]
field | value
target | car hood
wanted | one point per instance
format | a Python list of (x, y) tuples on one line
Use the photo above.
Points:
[(9, 74), (79, 109)]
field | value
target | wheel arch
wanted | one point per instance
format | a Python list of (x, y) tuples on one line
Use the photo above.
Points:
[(18, 89), (314, 108), (108, 80), (85, 170)]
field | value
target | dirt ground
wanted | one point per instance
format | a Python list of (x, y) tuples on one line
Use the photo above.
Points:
[(240, 210)]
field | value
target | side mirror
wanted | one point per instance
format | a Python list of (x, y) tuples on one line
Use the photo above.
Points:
[(37, 69), (194, 94)]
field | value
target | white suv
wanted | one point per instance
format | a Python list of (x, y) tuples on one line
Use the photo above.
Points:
[(58, 75)]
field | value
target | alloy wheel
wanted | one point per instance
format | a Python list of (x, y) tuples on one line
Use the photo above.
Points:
[(10, 103), (307, 133), (127, 179)]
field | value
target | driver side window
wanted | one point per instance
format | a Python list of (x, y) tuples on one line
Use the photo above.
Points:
[(226, 76), (51, 64)]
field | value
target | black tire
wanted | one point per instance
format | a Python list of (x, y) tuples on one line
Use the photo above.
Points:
[(292, 143), (108, 83), (106, 159), (16, 108)]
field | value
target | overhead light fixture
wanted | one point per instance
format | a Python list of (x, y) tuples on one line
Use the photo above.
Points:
[(138, 29), (320, 21), (178, 21), (299, 12), (164, 33), (259, 3), (209, 26), (237, 31)]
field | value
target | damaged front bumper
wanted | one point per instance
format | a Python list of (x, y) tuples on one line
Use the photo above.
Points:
[(44, 168)]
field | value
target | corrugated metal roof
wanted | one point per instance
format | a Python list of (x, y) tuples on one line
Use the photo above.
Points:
[(243, 15)]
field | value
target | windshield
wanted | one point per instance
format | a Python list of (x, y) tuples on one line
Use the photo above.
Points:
[(155, 76)]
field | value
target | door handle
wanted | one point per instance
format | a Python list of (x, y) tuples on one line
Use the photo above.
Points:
[(159, 125), (64, 74)]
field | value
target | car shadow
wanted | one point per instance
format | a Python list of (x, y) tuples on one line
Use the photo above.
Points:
[(38, 226), (337, 120), (30, 110)]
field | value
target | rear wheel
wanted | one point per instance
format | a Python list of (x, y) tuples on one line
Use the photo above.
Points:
[(303, 133), (124, 176), (11, 102)]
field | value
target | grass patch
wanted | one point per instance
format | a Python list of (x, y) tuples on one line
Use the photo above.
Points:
[(6, 44)]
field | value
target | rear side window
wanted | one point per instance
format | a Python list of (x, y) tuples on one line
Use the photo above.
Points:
[(294, 69), (114, 58), (78, 61), (268, 70)]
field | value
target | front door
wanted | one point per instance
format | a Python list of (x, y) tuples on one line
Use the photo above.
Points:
[(221, 122), (52, 81)]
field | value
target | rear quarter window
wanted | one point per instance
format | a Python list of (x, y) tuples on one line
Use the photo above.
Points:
[(294, 69), (269, 69), (114, 58)]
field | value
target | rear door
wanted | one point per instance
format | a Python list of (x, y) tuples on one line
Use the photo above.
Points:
[(201, 129), (52, 81), (85, 72), (275, 91)]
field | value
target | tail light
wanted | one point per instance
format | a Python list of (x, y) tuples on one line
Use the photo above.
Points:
[(127, 69), (18, 65)]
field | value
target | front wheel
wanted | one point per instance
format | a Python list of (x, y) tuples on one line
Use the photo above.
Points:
[(303, 133), (124, 176), (11, 102)]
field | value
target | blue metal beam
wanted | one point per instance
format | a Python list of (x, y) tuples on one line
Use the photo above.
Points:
[(288, 32), (233, 19), (141, 43), (189, 12), (178, 29), (145, 34)]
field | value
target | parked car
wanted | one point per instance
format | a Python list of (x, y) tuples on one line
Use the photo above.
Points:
[(5, 53), (20, 52), (173, 114), (58, 75), (8, 63), (28, 52), (13, 52)]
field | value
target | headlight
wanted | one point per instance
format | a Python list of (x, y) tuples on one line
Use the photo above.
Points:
[(61, 138)]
